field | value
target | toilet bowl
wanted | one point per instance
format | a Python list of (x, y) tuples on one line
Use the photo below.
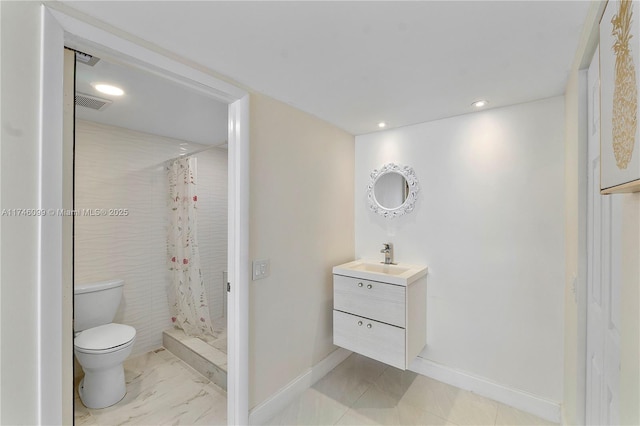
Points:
[(101, 352), (101, 346)]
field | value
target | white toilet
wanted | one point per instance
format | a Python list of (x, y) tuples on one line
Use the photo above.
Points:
[(100, 345)]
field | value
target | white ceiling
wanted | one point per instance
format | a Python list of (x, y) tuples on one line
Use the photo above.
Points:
[(357, 63), (152, 104)]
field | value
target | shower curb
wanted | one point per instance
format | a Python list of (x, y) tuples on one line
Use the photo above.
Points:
[(208, 364)]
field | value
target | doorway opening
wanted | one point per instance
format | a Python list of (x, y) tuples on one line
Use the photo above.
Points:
[(61, 30), (128, 227)]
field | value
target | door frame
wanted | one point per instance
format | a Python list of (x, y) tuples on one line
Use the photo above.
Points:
[(60, 29), (603, 265)]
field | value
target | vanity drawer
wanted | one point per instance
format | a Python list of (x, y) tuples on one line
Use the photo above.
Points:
[(370, 299), (373, 339)]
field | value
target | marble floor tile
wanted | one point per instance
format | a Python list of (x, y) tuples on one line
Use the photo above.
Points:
[(509, 416), (161, 389), (204, 407), (311, 408), (166, 355), (361, 391), (458, 406), (469, 408), (156, 364), (157, 376), (216, 414), (386, 408), (349, 380), (396, 381), (353, 418), (149, 396), (82, 416)]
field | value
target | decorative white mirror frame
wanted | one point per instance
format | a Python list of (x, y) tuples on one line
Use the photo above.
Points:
[(412, 185)]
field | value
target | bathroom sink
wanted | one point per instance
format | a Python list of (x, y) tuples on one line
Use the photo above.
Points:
[(401, 274), (381, 268)]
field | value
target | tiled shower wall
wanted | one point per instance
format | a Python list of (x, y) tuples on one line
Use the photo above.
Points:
[(118, 168), (212, 225)]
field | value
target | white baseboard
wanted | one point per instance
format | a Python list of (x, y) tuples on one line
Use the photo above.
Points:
[(548, 410), (277, 402)]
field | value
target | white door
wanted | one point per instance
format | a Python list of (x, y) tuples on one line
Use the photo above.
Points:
[(603, 280)]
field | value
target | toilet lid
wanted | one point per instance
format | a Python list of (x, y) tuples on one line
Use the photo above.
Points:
[(104, 337)]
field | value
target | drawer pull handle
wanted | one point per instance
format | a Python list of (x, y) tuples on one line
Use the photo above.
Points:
[(359, 322), (368, 325), (369, 286), (359, 284)]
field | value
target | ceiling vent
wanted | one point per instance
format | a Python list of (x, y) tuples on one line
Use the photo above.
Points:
[(86, 59), (92, 102)]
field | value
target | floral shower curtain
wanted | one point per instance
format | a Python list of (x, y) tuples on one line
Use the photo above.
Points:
[(187, 298)]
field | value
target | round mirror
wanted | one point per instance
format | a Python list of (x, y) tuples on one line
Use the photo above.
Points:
[(393, 190)]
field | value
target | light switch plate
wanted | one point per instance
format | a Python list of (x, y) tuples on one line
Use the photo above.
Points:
[(261, 269)]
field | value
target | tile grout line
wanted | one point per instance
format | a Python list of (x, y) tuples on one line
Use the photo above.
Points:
[(369, 385), (340, 418), (421, 408)]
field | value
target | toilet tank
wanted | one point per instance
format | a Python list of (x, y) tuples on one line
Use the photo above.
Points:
[(96, 303)]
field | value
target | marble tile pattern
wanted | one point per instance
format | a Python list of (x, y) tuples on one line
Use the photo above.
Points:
[(208, 360), (361, 391), (161, 390), (120, 168)]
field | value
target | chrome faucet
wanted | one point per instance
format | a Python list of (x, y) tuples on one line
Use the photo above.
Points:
[(388, 254)]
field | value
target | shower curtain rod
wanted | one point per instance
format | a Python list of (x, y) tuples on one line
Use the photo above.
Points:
[(198, 151)]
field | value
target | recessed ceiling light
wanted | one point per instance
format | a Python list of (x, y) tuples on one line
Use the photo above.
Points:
[(480, 103), (108, 89), (382, 124)]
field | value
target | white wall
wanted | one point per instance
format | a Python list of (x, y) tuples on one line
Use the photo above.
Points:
[(19, 235), (489, 225), (301, 219), (212, 226), (120, 168)]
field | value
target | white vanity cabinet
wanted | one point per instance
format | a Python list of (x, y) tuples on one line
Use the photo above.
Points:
[(379, 314)]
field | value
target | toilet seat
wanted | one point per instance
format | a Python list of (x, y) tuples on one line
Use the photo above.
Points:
[(104, 338)]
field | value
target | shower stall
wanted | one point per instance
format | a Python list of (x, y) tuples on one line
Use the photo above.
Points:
[(194, 258)]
